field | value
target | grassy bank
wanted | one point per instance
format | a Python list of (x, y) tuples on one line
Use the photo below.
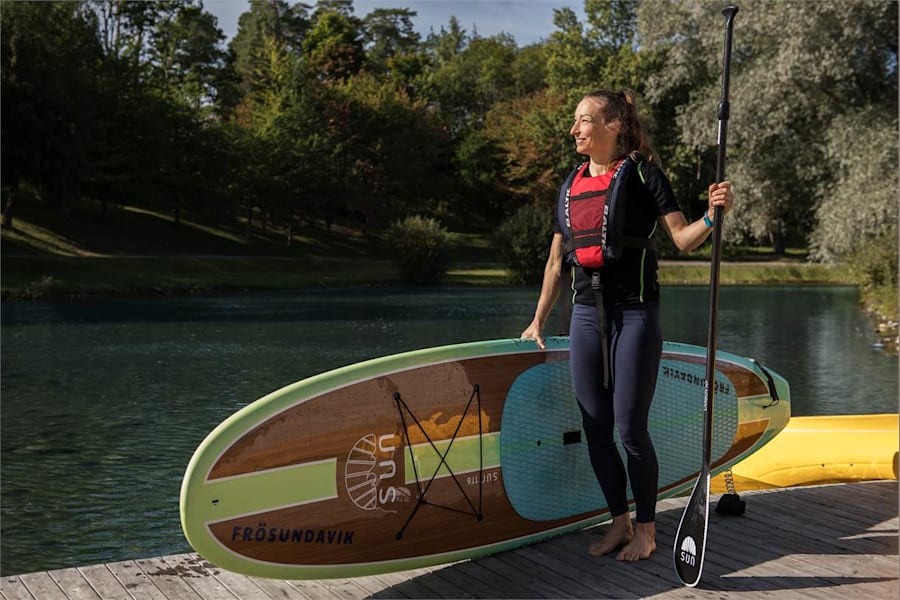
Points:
[(66, 276), (131, 252)]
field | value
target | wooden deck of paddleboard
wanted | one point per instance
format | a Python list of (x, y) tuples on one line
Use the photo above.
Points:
[(834, 541)]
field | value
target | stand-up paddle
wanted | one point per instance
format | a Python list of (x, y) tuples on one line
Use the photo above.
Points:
[(690, 540)]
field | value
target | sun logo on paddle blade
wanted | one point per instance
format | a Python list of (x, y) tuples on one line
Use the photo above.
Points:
[(688, 551)]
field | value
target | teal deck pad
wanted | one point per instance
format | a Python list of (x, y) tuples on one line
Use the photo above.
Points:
[(546, 469), (546, 478)]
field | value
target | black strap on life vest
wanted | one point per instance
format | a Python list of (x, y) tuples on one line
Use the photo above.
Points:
[(565, 313), (597, 286)]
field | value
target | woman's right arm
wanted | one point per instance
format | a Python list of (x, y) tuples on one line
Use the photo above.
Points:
[(549, 292)]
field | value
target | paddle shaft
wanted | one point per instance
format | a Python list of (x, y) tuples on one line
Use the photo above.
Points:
[(713, 327), (690, 540)]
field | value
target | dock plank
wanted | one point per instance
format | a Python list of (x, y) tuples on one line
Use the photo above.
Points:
[(473, 581), (136, 581), (170, 582), (73, 584), (241, 586), (13, 588), (189, 570), (402, 584), (279, 589), (822, 542), (102, 580), (345, 589), (445, 584), (522, 582), (42, 585)]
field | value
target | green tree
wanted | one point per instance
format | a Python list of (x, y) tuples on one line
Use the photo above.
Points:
[(572, 62), (444, 84), (529, 70), (448, 43), (50, 95), (854, 212), (613, 22), (333, 48), (267, 19), (273, 87), (188, 58), (389, 36), (315, 135), (264, 111), (490, 61), (161, 71), (464, 85), (827, 59), (398, 150), (532, 133), (127, 28), (479, 164)]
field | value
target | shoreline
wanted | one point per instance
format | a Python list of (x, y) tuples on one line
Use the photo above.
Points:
[(69, 284)]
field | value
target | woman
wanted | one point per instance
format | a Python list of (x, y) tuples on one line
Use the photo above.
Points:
[(607, 129)]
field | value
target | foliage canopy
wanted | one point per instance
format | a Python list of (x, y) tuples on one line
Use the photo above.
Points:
[(311, 114)]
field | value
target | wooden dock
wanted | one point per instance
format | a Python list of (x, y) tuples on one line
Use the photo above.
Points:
[(834, 541)]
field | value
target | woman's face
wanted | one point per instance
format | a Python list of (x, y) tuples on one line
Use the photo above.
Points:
[(590, 130)]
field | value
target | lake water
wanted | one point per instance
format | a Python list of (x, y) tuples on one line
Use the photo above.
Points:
[(103, 402)]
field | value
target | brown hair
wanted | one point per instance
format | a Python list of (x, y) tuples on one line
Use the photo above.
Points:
[(621, 106)]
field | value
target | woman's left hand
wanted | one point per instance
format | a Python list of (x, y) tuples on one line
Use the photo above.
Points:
[(720, 194)]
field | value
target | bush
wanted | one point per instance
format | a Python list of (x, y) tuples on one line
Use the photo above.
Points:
[(874, 264), (420, 249), (522, 242)]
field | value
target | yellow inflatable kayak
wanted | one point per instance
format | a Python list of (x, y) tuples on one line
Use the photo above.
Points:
[(819, 450)]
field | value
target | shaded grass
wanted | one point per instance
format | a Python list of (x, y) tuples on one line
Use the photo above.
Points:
[(131, 251), (53, 276), (131, 231), (61, 276), (754, 273)]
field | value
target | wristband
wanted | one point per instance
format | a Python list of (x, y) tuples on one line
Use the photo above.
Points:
[(707, 220)]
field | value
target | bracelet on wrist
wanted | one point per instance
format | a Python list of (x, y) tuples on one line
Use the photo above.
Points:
[(707, 220)]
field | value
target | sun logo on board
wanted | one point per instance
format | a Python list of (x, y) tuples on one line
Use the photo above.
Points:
[(688, 551), (369, 467)]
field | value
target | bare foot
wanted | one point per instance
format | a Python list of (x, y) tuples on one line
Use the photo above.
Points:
[(619, 535), (642, 544)]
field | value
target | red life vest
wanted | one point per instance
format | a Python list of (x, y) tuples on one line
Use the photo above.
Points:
[(593, 222)]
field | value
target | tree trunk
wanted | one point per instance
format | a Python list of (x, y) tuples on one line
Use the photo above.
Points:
[(8, 212), (778, 243), (290, 228)]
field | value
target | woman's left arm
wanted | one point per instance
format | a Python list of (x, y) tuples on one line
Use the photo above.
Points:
[(688, 236)]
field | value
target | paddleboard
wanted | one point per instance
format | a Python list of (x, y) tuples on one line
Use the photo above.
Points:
[(817, 450), (442, 454)]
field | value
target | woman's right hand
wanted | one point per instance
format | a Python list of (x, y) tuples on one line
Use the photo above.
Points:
[(549, 292), (533, 333)]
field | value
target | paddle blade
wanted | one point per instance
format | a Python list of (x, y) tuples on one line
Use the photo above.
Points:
[(690, 539)]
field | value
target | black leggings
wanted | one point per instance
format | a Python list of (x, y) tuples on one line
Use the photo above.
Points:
[(635, 346)]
